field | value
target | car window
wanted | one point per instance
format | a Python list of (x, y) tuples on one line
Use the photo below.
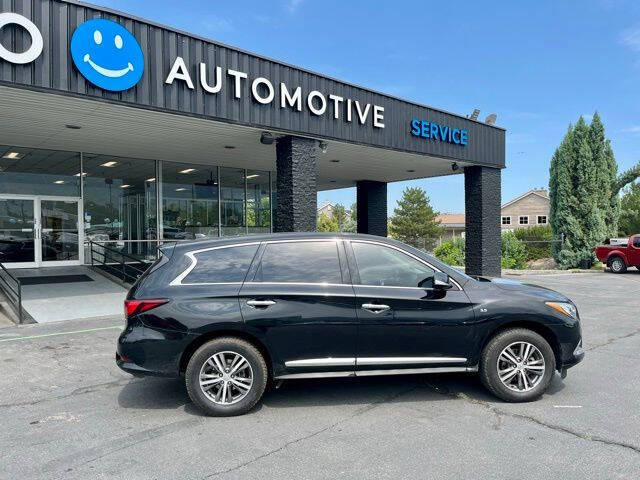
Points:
[(384, 266), (222, 265), (300, 262), (636, 242)]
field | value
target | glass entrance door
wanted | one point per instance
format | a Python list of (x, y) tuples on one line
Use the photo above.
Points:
[(17, 232), (60, 233), (40, 231)]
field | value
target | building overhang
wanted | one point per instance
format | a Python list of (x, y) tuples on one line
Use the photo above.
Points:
[(41, 120)]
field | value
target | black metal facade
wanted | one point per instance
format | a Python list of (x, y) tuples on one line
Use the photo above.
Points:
[(54, 71)]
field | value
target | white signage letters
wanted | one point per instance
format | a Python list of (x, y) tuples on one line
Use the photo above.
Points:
[(264, 92), (37, 42)]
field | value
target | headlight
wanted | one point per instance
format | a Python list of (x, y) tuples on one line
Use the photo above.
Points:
[(566, 308)]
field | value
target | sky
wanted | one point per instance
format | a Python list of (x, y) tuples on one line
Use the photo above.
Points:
[(538, 65)]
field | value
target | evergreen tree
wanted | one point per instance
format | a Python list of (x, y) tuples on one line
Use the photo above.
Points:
[(354, 212), (414, 221), (339, 215), (606, 169), (583, 191), (630, 210)]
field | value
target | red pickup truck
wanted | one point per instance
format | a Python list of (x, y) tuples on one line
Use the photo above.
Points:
[(619, 257)]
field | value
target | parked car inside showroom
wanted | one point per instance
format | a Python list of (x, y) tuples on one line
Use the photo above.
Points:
[(233, 315)]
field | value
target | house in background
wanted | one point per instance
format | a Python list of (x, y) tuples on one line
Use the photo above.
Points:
[(453, 224), (528, 210), (327, 209)]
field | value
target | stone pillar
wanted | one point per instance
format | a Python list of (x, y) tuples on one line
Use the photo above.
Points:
[(482, 187), (371, 201), (296, 187)]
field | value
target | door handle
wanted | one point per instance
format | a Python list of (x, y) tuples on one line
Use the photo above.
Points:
[(260, 303), (375, 307)]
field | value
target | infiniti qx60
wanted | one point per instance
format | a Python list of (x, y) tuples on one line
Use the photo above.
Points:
[(233, 315)]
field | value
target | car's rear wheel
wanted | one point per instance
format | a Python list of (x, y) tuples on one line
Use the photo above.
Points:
[(517, 365), (226, 376), (617, 265)]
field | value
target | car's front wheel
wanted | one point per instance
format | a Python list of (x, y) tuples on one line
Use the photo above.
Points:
[(517, 365), (226, 376)]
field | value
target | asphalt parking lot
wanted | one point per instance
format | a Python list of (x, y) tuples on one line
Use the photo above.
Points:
[(68, 412)]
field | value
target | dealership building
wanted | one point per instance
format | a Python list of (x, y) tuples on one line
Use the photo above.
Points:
[(122, 132)]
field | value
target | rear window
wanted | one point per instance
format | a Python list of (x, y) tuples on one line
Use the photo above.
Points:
[(300, 262), (222, 265)]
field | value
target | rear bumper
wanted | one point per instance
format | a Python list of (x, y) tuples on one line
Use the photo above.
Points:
[(146, 351)]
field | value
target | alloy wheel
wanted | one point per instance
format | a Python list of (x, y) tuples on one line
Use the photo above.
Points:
[(521, 366), (226, 378), (616, 265)]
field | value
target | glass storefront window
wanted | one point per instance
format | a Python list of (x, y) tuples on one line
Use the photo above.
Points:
[(258, 202), (189, 201), (120, 202), (32, 171), (232, 197)]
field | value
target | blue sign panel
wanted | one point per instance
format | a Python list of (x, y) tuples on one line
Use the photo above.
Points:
[(107, 55), (438, 132)]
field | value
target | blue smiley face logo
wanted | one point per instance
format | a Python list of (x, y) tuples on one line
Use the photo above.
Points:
[(107, 55)]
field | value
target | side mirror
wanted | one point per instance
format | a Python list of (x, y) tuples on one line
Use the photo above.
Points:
[(441, 281), (437, 281)]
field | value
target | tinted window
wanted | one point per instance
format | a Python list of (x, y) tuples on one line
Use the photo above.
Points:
[(300, 262), (385, 266), (222, 265), (636, 242)]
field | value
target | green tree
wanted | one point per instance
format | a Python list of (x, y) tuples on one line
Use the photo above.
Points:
[(630, 210), (354, 212), (583, 190), (339, 213), (414, 221), (514, 253), (327, 224), (451, 251)]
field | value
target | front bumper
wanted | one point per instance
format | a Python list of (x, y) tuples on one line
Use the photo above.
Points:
[(147, 351), (571, 355)]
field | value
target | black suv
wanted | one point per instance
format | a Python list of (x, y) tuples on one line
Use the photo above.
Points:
[(234, 314)]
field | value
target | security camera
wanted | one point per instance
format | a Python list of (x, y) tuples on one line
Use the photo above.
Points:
[(266, 138), (454, 166)]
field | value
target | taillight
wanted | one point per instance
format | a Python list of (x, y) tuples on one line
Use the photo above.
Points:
[(133, 307)]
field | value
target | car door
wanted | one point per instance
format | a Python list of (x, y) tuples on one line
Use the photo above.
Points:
[(300, 297), (403, 325)]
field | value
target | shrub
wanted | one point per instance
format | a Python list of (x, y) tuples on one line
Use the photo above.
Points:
[(513, 251), (537, 241), (451, 252)]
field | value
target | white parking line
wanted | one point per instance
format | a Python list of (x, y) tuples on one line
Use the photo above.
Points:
[(567, 406), (119, 327)]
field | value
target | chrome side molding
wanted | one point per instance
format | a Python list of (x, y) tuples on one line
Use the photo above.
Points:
[(347, 362), (322, 362), (370, 373), (407, 360)]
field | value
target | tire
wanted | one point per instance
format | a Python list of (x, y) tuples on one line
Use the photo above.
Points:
[(538, 373), (617, 265), (216, 401)]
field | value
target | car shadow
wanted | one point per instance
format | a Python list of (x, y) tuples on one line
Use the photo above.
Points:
[(154, 393), (170, 394)]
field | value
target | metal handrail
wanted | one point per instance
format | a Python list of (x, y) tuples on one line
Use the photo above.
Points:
[(13, 293), (120, 267)]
